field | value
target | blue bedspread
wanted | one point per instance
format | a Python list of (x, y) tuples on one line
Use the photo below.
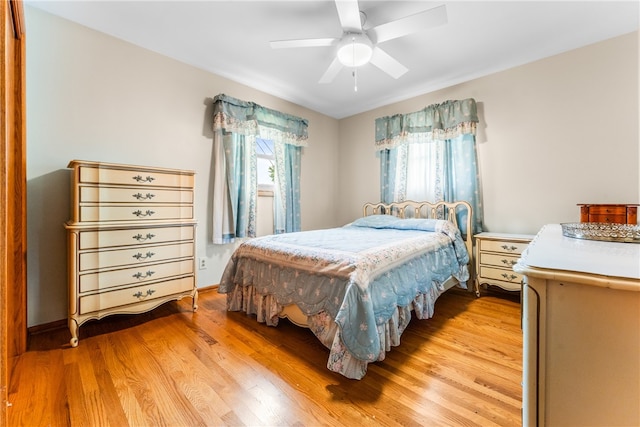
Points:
[(359, 274)]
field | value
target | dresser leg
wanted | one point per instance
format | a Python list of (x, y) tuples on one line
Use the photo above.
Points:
[(195, 300), (73, 328)]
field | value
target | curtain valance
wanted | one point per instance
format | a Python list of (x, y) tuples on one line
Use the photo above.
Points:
[(248, 118), (435, 122)]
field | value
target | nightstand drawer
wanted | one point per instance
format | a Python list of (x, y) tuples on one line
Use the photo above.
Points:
[(503, 275), (502, 246), (499, 260)]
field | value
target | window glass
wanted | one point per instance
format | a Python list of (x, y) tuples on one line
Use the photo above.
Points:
[(266, 164)]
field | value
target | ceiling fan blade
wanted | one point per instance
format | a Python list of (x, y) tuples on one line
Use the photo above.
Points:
[(284, 44), (331, 72), (408, 25), (349, 14), (386, 63)]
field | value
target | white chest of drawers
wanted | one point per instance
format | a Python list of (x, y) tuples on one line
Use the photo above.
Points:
[(497, 253), (131, 240), (581, 326)]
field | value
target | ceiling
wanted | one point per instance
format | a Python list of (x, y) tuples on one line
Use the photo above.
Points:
[(231, 39)]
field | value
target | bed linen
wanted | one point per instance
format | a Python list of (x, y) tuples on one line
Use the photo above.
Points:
[(357, 283)]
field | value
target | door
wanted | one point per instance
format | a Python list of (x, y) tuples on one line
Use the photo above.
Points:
[(13, 227)]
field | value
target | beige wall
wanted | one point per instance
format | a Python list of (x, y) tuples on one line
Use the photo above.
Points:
[(552, 133), (93, 97)]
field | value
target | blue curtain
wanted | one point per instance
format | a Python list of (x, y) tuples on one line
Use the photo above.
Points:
[(236, 125), (286, 204), (451, 167)]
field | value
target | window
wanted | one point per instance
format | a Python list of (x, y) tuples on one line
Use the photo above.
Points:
[(423, 164), (265, 166)]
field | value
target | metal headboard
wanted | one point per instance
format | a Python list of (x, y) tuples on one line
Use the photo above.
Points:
[(437, 210)]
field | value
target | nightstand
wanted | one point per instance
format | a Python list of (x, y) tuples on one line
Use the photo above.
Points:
[(496, 254)]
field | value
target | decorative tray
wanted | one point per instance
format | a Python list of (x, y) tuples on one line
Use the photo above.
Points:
[(602, 231)]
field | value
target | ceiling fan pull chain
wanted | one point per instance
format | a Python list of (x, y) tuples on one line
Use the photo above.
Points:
[(354, 73)]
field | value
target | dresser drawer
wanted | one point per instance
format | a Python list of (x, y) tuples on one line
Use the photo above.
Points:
[(135, 213), (498, 260), (133, 195), (132, 256), (130, 276), (503, 275), (503, 247), (135, 294), (133, 236), (148, 178)]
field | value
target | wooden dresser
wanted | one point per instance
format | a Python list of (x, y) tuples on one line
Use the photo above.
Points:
[(131, 240), (609, 213), (581, 326), (496, 255)]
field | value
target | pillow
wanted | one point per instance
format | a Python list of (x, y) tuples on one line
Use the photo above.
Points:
[(390, 221), (421, 224), (375, 221)]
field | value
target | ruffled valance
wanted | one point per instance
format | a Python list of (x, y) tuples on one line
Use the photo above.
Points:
[(248, 118), (435, 122)]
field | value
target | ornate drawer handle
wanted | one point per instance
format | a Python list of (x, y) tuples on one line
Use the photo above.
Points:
[(141, 276), (141, 238), (509, 277), (139, 213), (141, 196), (141, 179), (509, 248), (139, 256), (509, 262), (139, 294)]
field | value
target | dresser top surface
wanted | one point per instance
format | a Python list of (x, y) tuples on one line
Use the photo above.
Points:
[(552, 251), (86, 163)]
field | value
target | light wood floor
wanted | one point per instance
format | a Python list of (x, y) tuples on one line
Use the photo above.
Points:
[(177, 368)]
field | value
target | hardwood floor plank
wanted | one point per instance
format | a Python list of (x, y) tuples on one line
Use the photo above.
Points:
[(116, 360), (219, 371), (174, 367), (156, 392)]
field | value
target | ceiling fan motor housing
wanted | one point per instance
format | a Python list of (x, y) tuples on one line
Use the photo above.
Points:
[(354, 49)]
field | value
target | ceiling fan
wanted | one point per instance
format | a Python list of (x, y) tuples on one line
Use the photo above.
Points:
[(357, 47)]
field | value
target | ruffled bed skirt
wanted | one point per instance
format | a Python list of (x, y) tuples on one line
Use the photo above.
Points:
[(267, 310)]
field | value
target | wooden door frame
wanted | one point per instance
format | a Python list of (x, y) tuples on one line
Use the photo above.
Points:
[(13, 188)]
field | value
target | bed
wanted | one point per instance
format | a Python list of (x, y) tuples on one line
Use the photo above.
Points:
[(355, 286)]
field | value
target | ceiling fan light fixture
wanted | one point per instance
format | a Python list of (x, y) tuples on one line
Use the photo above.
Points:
[(354, 50)]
